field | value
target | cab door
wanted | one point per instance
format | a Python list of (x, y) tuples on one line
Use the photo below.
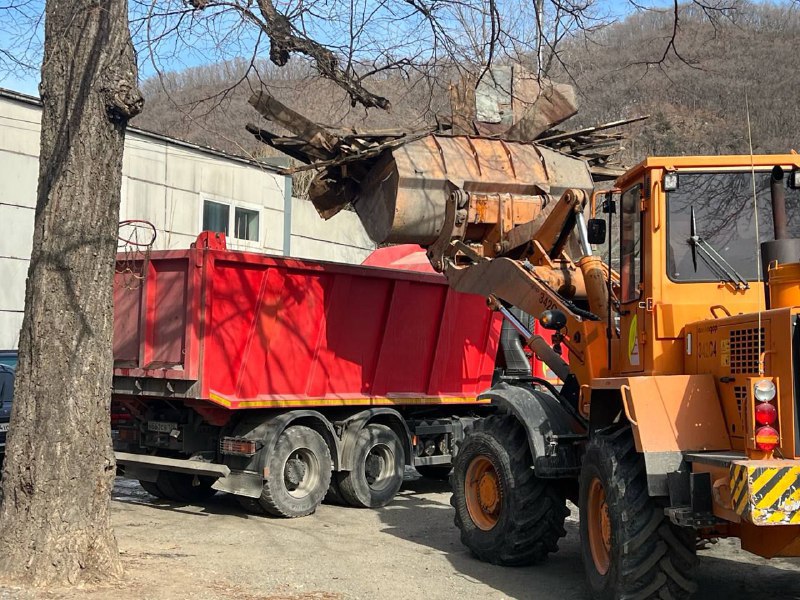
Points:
[(631, 358)]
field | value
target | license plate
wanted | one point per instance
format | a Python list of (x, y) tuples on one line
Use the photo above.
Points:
[(161, 426), (3, 427)]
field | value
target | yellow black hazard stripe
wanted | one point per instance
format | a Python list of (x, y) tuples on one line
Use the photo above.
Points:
[(766, 494)]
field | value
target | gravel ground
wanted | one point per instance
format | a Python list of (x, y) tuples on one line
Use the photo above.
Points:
[(409, 549)]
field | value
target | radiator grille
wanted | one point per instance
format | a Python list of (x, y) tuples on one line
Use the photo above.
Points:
[(740, 393), (746, 345)]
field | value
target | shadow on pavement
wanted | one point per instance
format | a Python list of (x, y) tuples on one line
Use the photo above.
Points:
[(429, 522)]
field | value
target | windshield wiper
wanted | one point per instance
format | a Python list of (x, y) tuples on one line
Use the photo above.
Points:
[(713, 258)]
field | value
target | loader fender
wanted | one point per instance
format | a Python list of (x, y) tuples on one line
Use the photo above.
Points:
[(544, 420), (266, 428), (353, 424), (669, 416)]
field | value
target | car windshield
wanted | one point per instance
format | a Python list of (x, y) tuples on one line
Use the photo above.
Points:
[(8, 359), (723, 209)]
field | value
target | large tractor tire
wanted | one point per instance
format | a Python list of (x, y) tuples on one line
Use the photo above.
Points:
[(298, 475), (507, 515), (182, 487), (378, 466), (629, 548)]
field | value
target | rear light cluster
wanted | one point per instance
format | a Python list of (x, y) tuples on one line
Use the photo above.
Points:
[(237, 446), (766, 415)]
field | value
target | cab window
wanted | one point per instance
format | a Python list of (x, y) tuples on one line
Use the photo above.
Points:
[(631, 243)]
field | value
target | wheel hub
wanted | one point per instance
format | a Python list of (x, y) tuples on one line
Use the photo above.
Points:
[(374, 467), (483, 493), (295, 472), (488, 493), (599, 527)]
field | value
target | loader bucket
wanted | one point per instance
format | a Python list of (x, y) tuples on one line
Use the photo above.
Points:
[(403, 198)]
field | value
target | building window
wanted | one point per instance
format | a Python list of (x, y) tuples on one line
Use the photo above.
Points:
[(245, 224), (216, 216)]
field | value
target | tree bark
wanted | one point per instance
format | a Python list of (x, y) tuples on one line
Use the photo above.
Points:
[(59, 468)]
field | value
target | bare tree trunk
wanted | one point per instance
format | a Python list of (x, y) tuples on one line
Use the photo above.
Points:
[(59, 468)]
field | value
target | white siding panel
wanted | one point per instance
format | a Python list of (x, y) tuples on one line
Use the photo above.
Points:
[(216, 179), (145, 160), (19, 128), (169, 240), (19, 174), (183, 170), (344, 228), (183, 212), (320, 250), (17, 240), (13, 273), (10, 324), (145, 200)]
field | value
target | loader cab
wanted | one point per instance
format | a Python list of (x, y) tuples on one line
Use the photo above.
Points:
[(687, 234)]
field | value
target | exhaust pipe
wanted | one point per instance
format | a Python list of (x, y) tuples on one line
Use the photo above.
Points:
[(778, 196)]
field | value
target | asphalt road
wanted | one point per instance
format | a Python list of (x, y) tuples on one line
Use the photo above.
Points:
[(409, 549)]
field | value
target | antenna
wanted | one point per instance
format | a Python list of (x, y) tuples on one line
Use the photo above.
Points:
[(758, 235)]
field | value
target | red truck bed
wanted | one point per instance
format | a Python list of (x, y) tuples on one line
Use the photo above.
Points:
[(248, 330)]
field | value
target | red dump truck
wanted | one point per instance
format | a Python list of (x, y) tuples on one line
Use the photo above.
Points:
[(282, 380)]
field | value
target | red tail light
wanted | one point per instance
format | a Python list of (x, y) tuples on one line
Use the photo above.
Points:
[(766, 414), (767, 438)]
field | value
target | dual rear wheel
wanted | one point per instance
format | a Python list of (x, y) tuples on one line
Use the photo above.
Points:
[(298, 475)]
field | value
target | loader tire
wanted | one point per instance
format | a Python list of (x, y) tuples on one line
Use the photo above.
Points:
[(298, 473), (507, 515), (378, 466), (182, 487), (438, 472), (151, 487), (629, 548)]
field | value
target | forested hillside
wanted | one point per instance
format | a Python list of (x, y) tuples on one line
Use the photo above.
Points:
[(696, 98)]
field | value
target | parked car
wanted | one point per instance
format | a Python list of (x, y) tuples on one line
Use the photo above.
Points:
[(6, 391)]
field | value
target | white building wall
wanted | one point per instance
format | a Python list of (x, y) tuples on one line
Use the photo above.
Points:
[(165, 182), (341, 238)]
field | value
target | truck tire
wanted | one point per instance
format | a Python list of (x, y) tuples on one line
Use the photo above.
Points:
[(180, 487), (334, 494), (378, 466), (439, 472), (507, 515), (151, 487), (299, 473), (629, 548)]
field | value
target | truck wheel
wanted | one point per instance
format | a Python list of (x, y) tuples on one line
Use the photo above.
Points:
[(378, 467), (442, 473), (180, 487), (507, 515), (151, 487), (299, 473), (334, 494), (629, 548)]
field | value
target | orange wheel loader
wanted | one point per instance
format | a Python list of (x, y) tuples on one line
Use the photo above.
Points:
[(678, 303)]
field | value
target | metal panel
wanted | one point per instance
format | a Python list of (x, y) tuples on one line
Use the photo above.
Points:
[(675, 413), (276, 332)]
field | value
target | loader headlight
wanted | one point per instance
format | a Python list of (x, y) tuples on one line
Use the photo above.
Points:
[(764, 390)]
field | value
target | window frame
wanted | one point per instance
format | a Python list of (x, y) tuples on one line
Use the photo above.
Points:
[(639, 272), (760, 170), (232, 206)]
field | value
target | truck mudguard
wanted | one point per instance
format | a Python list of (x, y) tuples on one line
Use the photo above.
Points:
[(266, 427), (545, 420), (383, 415)]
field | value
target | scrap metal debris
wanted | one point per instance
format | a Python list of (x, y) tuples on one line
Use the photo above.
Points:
[(347, 157)]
